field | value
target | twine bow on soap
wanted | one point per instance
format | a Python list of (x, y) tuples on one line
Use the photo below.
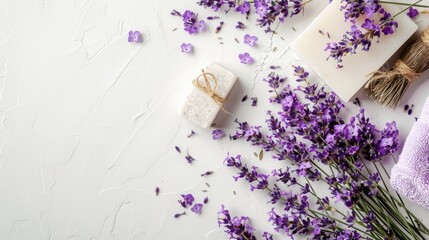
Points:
[(206, 87)]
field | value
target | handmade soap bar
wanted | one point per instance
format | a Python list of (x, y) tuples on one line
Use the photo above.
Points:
[(346, 81), (200, 106)]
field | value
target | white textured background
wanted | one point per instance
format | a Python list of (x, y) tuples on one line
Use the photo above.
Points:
[(89, 121)]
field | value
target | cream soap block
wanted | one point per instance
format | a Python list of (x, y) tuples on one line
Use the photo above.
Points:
[(346, 81), (199, 107)]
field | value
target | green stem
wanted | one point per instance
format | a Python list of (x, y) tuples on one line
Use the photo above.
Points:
[(404, 4), (337, 220), (405, 9), (400, 198)]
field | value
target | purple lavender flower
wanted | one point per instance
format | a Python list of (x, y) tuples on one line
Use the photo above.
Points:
[(177, 149), (361, 37), (192, 133), (191, 24), (245, 58), (207, 173), (267, 236), (188, 199), (217, 134), (412, 12), (254, 101), (240, 25), (189, 158), (197, 208), (212, 17), (236, 227), (186, 48), (250, 40), (135, 36), (177, 215), (219, 27), (243, 8)]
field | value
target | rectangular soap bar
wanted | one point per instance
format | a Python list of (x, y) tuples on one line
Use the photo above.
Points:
[(199, 107), (346, 81)]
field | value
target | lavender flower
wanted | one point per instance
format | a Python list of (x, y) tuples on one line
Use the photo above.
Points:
[(219, 27), (135, 36), (192, 133), (240, 25), (250, 40), (177, 149), (236, 227), (177, 215), (191, 24), (207, 173), (189, 158), (245, 58), (188, 199), (412, 12), (197, 208), (267, 11), (186, 48), (217, 134), (254, 101), (361, 36)]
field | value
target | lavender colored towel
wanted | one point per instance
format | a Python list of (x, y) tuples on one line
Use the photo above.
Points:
[(410, 176)]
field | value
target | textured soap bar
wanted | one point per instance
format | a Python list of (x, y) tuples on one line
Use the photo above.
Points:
[(199, 107), (348, 80)]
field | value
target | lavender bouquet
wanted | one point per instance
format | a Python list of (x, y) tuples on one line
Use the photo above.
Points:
[(305, 129)]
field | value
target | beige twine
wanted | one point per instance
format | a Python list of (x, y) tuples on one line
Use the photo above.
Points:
[(207, 88)]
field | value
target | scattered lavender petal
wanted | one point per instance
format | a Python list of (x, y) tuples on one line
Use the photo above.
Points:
[(197, 208), (157, 191), (175, 13), (254, 101), (217, 134), (207, 173), (244, 98), (240, 25), (212, 17), (250, 40), (245, 58), (177, 215), (219, 27), (406, 107), (191, 134), (189, 158), (178, 149), (357, 102), (186, 48), (206, 200)]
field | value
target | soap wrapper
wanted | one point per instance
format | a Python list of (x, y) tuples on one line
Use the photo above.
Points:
[(202, 106), (330, 26)]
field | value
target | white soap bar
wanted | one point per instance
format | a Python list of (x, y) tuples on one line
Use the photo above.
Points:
[(346, 81), (199, 107)]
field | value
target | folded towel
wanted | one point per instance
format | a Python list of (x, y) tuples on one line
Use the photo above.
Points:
[(410, 176)]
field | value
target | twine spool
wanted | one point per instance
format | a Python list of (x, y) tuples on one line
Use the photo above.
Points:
[(388, 86)]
